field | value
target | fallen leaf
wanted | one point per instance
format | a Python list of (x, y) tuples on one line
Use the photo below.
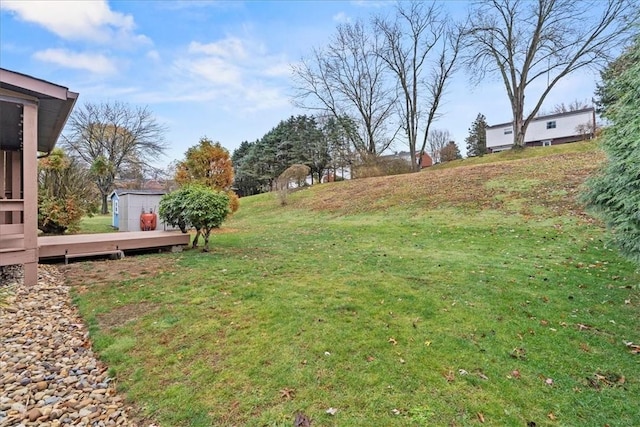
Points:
[(395, 412), (548, 381), (450, 376), (287, 393), (332, 411), (302, 420), (370, 358), (519, 353), (480, 417), (515, 374), (462, 372), (393, 341), (551, 416), (427, 343)]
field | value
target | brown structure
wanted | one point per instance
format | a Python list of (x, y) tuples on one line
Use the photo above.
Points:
[(32, 115)]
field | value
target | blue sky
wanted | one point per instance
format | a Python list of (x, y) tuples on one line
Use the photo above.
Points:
[(212, 68)]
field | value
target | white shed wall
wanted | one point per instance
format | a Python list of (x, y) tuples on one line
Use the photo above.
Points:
[(131, 206)]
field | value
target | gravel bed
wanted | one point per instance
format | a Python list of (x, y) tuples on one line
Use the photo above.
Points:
[(49, 376)]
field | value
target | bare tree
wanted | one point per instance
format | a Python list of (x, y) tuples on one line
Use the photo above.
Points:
[(527, 41), (111, 138), (420, 47), (347, 79), (574, 105), (438, 140)]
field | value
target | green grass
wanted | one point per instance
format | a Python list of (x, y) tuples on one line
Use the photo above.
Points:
[(96, 224), (397, 312), (528, 153)]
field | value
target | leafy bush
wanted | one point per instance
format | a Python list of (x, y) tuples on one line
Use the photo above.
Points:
[(63, 195), (171, 210), (195, 206)]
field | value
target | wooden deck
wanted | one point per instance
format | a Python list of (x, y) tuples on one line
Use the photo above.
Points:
[(79, 245)]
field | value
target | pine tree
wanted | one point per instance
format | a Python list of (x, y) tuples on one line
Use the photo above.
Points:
[(614, 193), (477, 139)]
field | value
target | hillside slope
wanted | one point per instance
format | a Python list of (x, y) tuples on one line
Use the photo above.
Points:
[(551, 178)]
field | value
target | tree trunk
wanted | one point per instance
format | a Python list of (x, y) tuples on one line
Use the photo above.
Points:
[(519, 123), (105, 204)]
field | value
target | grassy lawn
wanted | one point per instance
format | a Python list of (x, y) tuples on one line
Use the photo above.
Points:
[(97, 224), (467, 296)]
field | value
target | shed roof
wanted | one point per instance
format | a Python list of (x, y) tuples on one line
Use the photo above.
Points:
[(55, 103), (144, 192)]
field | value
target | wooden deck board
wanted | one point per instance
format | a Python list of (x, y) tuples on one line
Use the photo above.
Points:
[(76, 244)]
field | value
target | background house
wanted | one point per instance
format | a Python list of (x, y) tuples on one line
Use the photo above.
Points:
[(127, 205), (552, 129)]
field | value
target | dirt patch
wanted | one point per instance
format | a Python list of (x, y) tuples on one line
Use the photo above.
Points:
[(82, 274), (126, 313)]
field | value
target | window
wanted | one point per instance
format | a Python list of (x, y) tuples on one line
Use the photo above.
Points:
[(551, 124), (115, 207), (546, 143), (508, 131)]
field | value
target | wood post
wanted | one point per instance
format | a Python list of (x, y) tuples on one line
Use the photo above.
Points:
[(30, 189)]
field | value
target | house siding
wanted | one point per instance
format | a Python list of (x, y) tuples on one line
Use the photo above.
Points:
[(537, 131)]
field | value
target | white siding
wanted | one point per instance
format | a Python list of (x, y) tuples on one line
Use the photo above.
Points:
[(496, 137), (537, 131)]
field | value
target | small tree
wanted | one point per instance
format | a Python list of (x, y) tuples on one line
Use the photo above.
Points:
[(295, 173), (63, 196), (477, 139), (450, 152), (208, 164), (438, 139), (615, 192), (195, 206)]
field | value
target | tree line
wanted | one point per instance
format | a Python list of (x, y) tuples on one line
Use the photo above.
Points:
[(390, 74)]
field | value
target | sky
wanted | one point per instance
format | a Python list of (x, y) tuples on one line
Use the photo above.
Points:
[(220, 69)]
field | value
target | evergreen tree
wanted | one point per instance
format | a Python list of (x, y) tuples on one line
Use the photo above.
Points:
[(614, 193), (450, 152), (477, 139)]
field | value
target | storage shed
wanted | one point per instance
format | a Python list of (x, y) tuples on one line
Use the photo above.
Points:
[(128, 205)]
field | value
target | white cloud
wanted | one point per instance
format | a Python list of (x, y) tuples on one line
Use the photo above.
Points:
[(231, 48), (375, 4), (94, 63), (342, 18), (279, 69), (238, 72), (78, 20), (153, 55), (213, 70)]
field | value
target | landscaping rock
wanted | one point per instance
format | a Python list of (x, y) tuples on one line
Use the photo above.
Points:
[(49, 376)]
